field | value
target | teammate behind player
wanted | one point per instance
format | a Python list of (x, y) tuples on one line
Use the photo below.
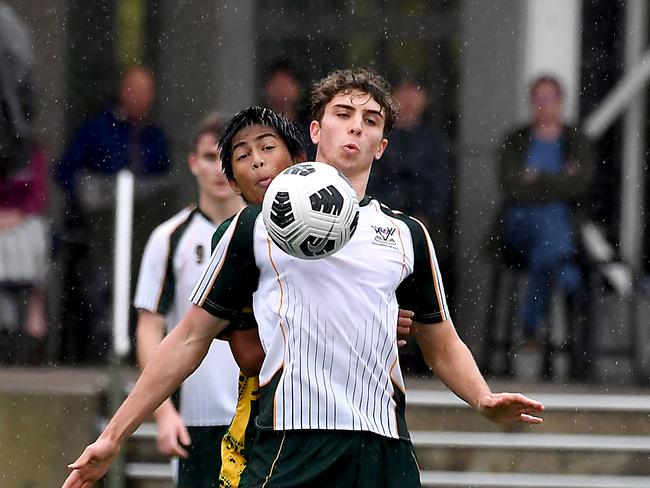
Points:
[(173, 260)]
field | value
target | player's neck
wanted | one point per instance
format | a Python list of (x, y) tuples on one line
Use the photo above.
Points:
[(220, 210), (360, 183), (358, 178), (548, 130)]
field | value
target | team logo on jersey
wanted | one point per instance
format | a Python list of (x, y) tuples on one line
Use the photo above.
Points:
[(199, 252), (384, 236)]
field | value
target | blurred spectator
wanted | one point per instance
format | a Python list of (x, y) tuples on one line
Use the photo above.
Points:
[(24, 257), (415, 176), (16, 92), (283, 93), (545, 170), (122, 136)]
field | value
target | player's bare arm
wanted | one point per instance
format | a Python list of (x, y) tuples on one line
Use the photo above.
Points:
[(247, 350), (178, 355), (172, 433), (451, 361)]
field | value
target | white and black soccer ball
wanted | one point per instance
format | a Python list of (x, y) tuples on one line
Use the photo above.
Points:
[(310, 210)]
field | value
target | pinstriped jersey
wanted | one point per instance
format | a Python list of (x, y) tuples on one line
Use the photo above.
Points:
[(328, 326), (174, 258)]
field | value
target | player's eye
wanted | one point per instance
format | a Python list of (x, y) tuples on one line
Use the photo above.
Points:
[(342, 114), (371, 121), (241, 156), (268, 147)]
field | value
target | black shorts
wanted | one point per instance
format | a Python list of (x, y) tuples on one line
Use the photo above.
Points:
[(343, 459), (201, 468)]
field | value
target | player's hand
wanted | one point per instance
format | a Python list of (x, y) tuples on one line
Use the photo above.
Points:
[(404, 322), (172, 433), (509, 408), (92, 464)]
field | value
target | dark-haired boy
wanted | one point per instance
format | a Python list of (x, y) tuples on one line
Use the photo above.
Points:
[(173, 260)]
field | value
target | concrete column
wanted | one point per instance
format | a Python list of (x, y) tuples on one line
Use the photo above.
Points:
[(48, 29), (552, 46), (205, 63), (235, 49), (186, 60), (634, 145), (493, 46)]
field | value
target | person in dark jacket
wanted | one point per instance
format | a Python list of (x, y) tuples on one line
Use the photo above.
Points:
[(545, 171), (123, 136), (414, 176)]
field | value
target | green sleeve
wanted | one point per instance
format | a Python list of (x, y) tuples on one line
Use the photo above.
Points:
[(221, 230)]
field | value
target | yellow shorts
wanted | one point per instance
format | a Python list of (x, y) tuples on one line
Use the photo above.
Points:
[(235, 445)]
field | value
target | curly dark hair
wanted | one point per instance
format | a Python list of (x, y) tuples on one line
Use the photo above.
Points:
[(286, 129), (349, 79)]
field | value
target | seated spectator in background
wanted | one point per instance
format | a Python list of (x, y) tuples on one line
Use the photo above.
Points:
[(545, 170), (123, 136), (24, 257), (414, 176), (120, 137), (283, 94)]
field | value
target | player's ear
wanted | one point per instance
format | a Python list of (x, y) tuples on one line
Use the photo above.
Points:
[(382, 147), (192, 162), (235, 187), (314, 131)]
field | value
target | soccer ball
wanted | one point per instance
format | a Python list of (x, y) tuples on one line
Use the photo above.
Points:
[(310, 210)]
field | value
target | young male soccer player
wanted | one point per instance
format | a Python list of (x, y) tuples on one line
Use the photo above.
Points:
[(332, 396), (173, 260), (267, 143), (331, 390)]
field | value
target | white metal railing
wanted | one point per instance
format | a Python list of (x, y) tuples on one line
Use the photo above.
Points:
[(122, 263), (619, 101)]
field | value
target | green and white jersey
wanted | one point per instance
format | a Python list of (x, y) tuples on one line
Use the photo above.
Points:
[(328, 326), (174, 258)]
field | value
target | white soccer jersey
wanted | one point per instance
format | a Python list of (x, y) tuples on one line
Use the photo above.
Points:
[(328, 326), (174, 258)]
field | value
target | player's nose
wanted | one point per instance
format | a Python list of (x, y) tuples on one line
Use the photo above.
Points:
[(355, 125), (258, 162)]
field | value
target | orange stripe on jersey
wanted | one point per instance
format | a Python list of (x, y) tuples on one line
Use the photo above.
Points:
[(277, 456), (401, 241), (434, 271), (395, 379), (190, 208), (215, 275), (395, 383), (284, 335), (162, 283)]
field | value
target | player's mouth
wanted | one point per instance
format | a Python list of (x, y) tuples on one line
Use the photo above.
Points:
[(351, 147), (264, 182)]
